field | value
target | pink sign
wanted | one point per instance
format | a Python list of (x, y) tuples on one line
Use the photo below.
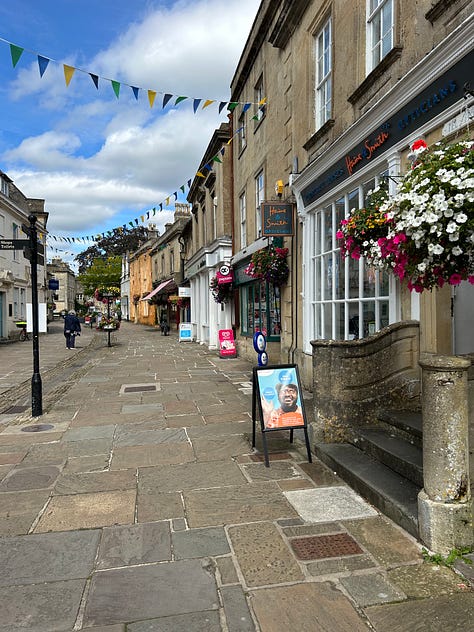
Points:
[(226, 343), (224, 275)]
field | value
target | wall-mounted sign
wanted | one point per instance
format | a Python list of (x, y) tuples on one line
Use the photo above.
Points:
[(277, 219), (184, 292), (224, 274)]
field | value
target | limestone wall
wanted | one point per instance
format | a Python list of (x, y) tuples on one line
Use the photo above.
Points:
[(353, 380)]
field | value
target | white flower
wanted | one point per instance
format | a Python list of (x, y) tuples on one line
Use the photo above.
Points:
[(454, 237), (451, 227), (456, 251), (422, 266), (460, 218)]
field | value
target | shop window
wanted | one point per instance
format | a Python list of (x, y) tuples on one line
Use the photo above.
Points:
[(261, 309), (348, 299)]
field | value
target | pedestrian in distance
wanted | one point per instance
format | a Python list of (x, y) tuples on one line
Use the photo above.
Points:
[(72, 328), (165, 328)]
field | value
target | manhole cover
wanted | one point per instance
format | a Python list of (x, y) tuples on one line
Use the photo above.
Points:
[(321, 546), (37, 428), (135, 389), (16, 409)]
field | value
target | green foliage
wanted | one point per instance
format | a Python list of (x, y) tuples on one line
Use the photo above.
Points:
[(101, 273), (116, 243), (440, 560)]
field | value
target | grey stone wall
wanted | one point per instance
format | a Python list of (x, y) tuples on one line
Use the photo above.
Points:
[(353, 380)]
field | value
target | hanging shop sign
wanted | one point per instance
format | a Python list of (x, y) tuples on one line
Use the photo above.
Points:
[(224, 274), (425, 106), (277, 219), (184, 292)]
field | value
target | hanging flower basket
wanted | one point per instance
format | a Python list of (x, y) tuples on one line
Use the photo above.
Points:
[(269, 264), (106, 290), (221, 292), (428, 226), (108, 324)]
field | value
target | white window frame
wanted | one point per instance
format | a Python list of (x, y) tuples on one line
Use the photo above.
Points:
[(328, 307), (5, 188), (323, 83), (259, 95), (259, 198), (242, 133), (243, 220), (380, 35), (16, 235)]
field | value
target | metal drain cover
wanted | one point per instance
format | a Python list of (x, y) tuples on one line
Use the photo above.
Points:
[(37, 428), (321, 546)]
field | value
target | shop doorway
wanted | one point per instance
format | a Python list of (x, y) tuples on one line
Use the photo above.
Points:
[(463, 313)]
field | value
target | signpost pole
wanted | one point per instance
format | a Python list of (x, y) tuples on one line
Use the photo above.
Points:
[(36, 386)]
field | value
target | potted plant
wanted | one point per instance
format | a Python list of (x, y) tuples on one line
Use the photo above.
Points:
[(221, 292)]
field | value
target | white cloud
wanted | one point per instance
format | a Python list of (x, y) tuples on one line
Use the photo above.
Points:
[(100, 156)]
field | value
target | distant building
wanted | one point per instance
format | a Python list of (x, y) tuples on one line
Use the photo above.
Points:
[(65, 296)]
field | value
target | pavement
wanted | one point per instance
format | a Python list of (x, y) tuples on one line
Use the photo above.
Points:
[(135, 503)]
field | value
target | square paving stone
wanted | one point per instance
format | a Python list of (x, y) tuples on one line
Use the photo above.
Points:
[(51, 607), (26, 478), (85, 482), (387, 543), (368, 590), (329, 503), (200, 543), (446, 613), (178, 587), (148, 455), (230, 505), (263, 556), (87, 511), (135, 544), (190, 476), (90, 432), (153, 505), (32, 559), (208, 621), (18, 510), (220, 448), (310, 606)]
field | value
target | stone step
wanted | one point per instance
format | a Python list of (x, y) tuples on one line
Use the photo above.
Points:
[(392, 494), (409, 423), (396, 453)]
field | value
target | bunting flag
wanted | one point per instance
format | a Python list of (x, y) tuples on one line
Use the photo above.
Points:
[(43, 61)]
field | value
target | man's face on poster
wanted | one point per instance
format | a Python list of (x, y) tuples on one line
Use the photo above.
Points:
[(288, 396)]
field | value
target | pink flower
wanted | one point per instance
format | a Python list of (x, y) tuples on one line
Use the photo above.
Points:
[(455, 279), (339, 234), (344, 222), (470, 278), (398, 239)]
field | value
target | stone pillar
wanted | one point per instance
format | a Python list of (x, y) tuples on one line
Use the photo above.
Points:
[(444, 507)]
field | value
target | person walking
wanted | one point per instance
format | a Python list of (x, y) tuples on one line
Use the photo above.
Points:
[(72, 328)]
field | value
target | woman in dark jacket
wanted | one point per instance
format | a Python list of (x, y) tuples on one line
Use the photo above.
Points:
[(72, 328)]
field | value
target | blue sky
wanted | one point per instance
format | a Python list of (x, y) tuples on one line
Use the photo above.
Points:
[(100, 161)]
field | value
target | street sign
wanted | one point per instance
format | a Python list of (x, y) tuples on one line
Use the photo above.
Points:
[(14, 244), (27, 255)]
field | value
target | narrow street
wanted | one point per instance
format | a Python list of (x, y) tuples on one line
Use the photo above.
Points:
[(135, 503)]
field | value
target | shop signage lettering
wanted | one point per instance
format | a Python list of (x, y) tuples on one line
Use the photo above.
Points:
[(277, 219), (439, 95)]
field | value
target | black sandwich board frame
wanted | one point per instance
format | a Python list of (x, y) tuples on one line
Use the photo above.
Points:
[(265, 383)]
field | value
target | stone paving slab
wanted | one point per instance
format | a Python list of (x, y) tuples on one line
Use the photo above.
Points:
[(94, 463), (237, 613), (277, 471), (143, 456), (18, 510), (318, 607), (178, 587), (371, 589), (88, 511), (220, 448), (448, 613), (27, 478), (200, 543), (125, 437), (85, 482), (208, 621), (329, 503), (134, 544), (227, 572), (420, 581), (190, 476), (90, 432), (263, 556), (34, 559), (48, 607), (260, 501), (153, 505)]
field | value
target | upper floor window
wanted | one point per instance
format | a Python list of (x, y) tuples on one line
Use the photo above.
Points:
[(171, 261), (4, 185), (2, 226), (380, 31), (16, 235), (259, 96), (243, 220), (259, 198), (323, 75), (242, 132)]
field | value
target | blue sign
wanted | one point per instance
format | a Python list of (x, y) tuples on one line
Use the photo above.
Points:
[(53, 284)]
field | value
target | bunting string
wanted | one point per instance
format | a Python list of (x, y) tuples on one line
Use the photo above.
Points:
[(165, 97), (166, 202)]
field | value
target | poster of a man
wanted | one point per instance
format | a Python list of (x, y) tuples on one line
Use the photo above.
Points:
[(280, 400)]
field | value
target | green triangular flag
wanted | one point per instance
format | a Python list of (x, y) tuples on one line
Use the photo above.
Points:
[(232, 106), (116, 87), (16, 52)]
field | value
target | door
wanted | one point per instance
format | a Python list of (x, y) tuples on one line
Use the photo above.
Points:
[(463, 317)]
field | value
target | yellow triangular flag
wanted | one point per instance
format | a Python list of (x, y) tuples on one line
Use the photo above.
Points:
[(68, 73), (151, 97), (201, 175), (208, 102), (262, 101)]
